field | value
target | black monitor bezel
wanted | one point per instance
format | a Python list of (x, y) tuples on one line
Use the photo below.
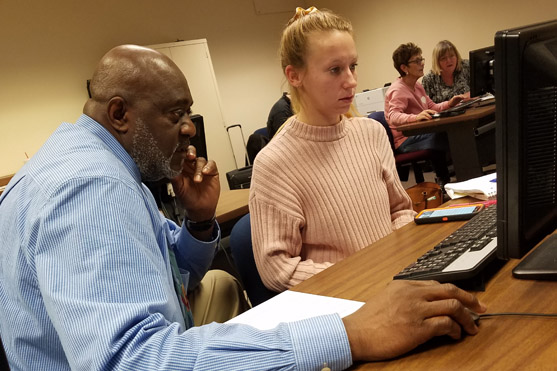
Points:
[(199, 141), (482, 79), (514, 238)]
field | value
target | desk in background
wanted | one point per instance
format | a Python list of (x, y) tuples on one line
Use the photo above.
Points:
[(232, 206), (4, 180), (471, 138), (503, 343)]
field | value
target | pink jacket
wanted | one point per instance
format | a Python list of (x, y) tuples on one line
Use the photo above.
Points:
[(402, 105)]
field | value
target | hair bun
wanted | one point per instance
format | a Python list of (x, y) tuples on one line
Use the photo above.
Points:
[(300, 12)]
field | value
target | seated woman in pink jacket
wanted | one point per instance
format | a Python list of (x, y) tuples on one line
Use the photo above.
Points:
[(326, 185), (406, 101)]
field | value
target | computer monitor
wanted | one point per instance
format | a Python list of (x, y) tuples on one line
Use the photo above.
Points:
[(199, 141), (526, 136), (482, 80)]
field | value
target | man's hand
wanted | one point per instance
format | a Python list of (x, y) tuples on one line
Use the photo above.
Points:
[(407, 314), (198, 186)]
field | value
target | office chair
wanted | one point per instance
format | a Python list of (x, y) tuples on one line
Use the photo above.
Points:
[(256, 142), (404, 160), (242, 253)]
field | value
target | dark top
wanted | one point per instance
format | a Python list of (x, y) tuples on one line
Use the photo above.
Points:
[(439, 92), (280, 112)]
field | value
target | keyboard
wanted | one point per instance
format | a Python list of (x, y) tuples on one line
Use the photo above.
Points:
[(458, 109), (460, 256)]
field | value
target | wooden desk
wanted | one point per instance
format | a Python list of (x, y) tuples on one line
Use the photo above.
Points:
[(471, 147), (503, 343), (4, 180), (233, 204)]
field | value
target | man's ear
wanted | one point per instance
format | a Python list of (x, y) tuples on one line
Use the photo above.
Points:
[(118, 114), (293, 75)]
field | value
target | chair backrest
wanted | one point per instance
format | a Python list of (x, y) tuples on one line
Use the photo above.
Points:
[(380, 117), (256, 142), (402, 159), (262, 131), (242, 253)]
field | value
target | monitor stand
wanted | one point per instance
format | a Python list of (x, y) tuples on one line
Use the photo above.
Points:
[(540, 264)]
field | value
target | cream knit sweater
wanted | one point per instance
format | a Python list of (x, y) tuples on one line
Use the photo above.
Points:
[(319, 194)]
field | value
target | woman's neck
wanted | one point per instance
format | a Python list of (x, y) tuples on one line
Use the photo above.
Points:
[(317, 119), (448, 78), (409, 80)]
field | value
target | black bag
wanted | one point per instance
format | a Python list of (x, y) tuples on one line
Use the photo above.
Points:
[(239, 178)]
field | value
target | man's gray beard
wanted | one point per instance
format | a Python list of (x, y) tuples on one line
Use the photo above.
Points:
[(148, 157)]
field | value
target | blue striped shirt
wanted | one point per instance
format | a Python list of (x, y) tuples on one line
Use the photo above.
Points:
[(85, 280)]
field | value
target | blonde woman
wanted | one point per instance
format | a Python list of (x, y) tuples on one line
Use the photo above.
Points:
[(449, 75), (326, 186)]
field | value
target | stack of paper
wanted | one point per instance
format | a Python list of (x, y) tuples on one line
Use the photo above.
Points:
[(483, 188)]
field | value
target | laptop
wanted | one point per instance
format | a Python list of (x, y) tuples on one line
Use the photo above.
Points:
[(540, 264)]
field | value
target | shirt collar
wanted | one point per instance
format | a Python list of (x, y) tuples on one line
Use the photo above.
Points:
[(110, 141)]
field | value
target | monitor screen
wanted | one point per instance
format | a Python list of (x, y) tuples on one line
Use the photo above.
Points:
[(481, 71), (199, 141), (526, 132)]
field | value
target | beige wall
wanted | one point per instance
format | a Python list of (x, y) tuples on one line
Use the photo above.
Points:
[(381, 26), (50, 50)]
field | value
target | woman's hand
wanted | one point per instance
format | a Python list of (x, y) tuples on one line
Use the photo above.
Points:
[(457, 99), (425, 115)]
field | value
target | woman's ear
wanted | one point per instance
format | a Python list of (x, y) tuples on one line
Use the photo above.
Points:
[(118, 114), (293, 75)]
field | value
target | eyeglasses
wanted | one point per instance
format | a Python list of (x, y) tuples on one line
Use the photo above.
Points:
[(417, 61), (447, 57)]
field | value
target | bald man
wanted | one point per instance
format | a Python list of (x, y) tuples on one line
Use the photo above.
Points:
[(93, 277), (91, 255)]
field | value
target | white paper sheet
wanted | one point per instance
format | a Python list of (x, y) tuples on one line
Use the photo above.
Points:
[(290, 306)]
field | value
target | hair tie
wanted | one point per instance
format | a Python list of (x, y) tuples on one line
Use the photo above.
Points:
[(300, 12)]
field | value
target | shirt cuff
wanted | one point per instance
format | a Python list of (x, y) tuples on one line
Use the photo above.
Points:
[(215, 236), (320, 340)]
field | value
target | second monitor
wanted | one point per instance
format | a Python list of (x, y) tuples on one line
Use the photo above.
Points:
[(482, 77)]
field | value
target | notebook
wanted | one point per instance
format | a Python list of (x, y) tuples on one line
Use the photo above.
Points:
[(540, 264)]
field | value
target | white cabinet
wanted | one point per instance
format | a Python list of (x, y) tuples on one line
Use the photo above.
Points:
[(194, 60)]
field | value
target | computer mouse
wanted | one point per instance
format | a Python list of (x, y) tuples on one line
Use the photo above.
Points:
[(475, 317)]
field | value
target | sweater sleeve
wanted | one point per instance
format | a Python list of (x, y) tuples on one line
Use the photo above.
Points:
[(437, 106), (396, 105), (399, 201), (402, 106), (276, 224), (277, 247)]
